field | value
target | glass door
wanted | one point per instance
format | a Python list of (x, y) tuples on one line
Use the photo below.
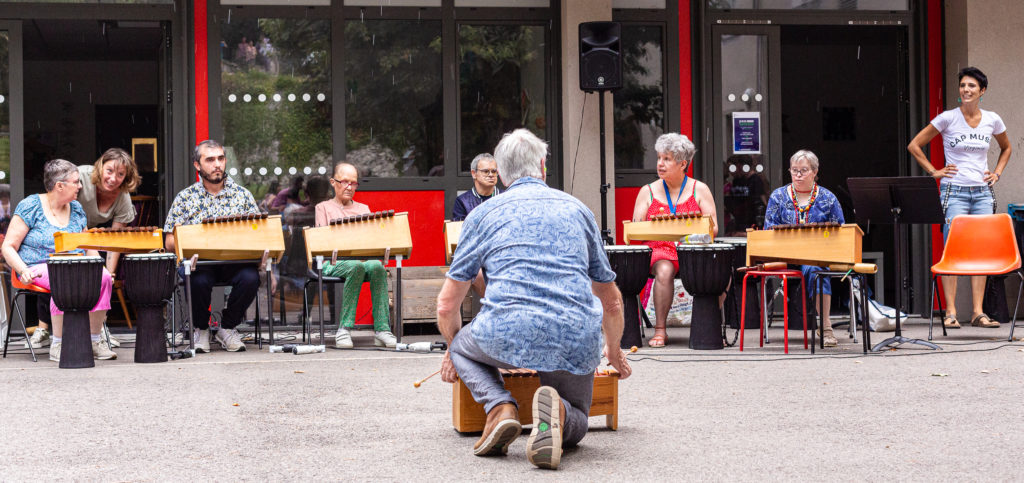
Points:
[(11, 129), (746, 153)]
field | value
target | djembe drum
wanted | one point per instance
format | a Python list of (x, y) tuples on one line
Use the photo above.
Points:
[(75, 284), (705, 271), (631, 264), (148, 281)]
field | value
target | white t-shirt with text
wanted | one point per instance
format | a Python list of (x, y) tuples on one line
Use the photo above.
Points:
[(967, 147)]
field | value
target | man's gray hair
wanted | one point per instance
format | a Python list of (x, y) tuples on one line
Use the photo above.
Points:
[(55, 171), (812, 159), (677, 145), (478, 158), (209, 143), (519, 154)]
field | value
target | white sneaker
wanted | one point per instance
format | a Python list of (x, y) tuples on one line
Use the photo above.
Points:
[(102, 352), (384, 338), (55, 352), (343, 339), (201, 339), (230, 339), (105, 334), (40, 338)]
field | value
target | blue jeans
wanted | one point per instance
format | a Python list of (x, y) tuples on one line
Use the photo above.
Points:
[(480, 374), (965, 200)]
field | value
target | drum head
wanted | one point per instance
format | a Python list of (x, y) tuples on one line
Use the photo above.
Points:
[(75, 259), (627, 248), (706, 246), (150, 256)]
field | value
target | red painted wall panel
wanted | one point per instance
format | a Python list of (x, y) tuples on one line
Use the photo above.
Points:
[(625, 197), (426, 220), (936, 103), (201, 68)]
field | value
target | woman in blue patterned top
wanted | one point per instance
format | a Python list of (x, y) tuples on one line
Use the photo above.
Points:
[(800, 202), (29, 242)]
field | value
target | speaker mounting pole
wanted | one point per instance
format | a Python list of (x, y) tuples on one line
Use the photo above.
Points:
[(606, 234)]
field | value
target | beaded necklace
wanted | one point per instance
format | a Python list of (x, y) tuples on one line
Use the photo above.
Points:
[(801, 212)]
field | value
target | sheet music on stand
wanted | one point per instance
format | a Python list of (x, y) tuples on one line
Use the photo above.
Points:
[(897, 201)]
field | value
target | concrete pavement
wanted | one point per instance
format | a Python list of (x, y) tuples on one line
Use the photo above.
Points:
[(354, 415)]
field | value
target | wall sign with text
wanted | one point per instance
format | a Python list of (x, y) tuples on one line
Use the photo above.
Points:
[(746, 133)]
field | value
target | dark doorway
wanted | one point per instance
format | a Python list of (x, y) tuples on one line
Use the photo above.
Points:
[(841, 98), (90, 85)]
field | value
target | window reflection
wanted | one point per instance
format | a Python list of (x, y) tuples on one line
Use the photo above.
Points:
[(276, 103), (5, 134), (640, 104), (501, 85), (393, 97), (885, 5)]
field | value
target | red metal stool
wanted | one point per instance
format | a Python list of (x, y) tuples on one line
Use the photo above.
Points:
[(785, 275)]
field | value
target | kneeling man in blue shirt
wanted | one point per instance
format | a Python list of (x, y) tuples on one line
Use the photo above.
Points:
[(550, 295)]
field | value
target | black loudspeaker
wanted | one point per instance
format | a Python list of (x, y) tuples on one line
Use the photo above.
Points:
[(600, 56)]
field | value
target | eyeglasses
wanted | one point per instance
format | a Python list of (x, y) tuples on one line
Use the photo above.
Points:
[(487, 172), (346, 184), (799, 172)]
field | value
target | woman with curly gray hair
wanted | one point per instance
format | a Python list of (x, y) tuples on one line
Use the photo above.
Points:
[(29, 242), (674, 193)]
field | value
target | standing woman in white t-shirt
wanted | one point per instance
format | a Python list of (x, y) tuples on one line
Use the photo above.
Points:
[(966, 182)]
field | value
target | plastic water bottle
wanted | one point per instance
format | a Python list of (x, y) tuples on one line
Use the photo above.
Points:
[(280, 349), (308, 349), (421, 347), (695, 239)]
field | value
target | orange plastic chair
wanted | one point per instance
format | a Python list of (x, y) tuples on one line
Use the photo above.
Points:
[(19, 289), (978, 245)]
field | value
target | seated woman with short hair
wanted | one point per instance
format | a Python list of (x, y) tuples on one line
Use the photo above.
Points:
[(29, 243)]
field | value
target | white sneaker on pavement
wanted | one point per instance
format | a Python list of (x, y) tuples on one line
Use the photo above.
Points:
[(101, 351), (201, 338), (343, 339), (55, 352), (230, 339), (40, 338), (384, 338), (105, 334)]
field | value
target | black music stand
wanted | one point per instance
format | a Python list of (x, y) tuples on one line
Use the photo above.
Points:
[(897, 201)]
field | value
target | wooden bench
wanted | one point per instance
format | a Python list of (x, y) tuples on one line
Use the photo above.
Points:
[(468, 415)]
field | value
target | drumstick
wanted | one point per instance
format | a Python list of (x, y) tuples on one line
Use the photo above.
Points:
[(421, 381)]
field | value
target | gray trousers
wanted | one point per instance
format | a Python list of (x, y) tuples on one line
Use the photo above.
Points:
[(479, 372)]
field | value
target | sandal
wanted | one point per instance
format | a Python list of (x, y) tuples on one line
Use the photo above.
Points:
[(829, 339), (950, 322), (658, 340), (982, 320)]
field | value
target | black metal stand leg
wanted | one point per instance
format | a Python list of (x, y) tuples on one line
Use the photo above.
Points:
[(398, 298), (1013, 321), (320, 297), (865, 320), (188, 308), (270, 304), (898, 339)]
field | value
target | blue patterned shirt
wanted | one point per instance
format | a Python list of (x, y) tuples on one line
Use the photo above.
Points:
[(541, 250), (194, 204), (780, 209), (38, 243)]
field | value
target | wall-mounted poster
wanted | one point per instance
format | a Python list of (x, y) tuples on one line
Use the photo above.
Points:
[(746, 133)]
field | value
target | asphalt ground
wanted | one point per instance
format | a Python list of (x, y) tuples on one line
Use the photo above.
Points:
[(910, 414)]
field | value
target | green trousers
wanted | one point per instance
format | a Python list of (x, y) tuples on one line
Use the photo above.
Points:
[(355, 273)]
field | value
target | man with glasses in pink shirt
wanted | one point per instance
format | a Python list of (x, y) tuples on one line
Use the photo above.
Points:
[(345, 181)]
